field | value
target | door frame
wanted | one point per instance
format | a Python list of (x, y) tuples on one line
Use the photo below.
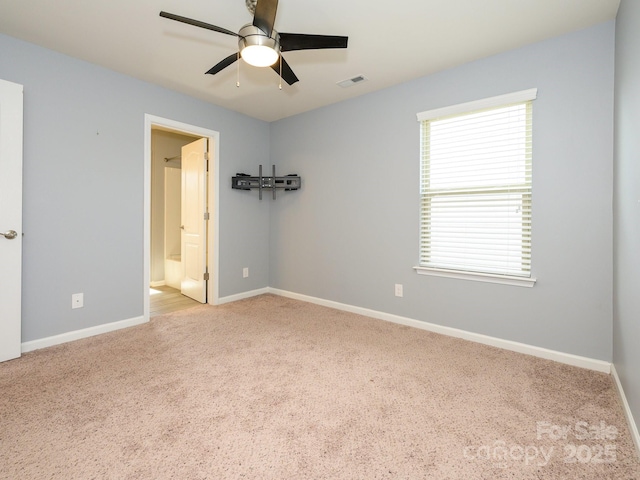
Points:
[(213, 185)]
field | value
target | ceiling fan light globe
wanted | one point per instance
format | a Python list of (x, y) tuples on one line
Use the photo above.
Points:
[(259, 55), (257, 48)]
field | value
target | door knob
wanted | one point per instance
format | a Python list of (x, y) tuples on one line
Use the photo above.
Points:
[(10, 235)]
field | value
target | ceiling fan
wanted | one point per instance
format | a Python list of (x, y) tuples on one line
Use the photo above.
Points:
[(260, 45)]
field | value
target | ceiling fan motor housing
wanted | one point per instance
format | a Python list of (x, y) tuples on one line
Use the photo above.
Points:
[(252, 36), (251, 5)]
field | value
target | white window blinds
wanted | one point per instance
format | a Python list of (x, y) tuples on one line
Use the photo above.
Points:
[(476, 186)]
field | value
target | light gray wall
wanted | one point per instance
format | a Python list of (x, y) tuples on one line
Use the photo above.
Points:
[(626, 300), (351, 232), (83, 188)]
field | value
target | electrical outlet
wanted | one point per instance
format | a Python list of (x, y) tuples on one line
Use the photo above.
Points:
[(245, 272), (77, 300), (398, 290)]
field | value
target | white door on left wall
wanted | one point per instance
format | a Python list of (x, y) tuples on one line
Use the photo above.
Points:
[(10, 219)]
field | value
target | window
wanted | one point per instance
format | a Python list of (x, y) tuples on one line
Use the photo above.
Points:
[(475, 220)]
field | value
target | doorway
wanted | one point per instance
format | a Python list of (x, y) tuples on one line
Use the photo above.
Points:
[(165, 143)]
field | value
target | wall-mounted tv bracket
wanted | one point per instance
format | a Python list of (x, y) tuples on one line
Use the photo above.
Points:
[(242, 181)]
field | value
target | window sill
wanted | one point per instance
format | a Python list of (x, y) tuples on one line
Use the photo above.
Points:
[(477, 277)]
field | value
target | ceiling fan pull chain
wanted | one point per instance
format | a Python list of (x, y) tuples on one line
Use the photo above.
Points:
[(280, 85), (238, 70)]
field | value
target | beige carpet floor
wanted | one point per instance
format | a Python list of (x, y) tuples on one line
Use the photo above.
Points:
[(273, 388)]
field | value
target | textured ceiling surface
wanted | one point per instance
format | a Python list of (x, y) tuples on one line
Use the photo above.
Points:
[(389, 42)]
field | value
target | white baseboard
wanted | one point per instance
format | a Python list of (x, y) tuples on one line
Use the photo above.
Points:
[(160, 283), (110, 327), (566, 358), (78, 334), (633, 427), (243, 295)]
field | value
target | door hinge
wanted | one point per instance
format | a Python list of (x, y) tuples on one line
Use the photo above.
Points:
[(206, 215), (206, 276), (206, 156)]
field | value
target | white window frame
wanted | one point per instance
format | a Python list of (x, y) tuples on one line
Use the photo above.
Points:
[(497, 101)]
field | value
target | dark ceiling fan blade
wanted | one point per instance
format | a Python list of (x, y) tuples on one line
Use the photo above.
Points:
[(265, 15), (302, 41), (197, 23), (287, 73), (223, 64)]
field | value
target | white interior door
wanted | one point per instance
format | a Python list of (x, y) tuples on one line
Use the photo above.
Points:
[(194, 220), (10, 219)]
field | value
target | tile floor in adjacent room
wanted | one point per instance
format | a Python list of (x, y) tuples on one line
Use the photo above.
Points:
[(167, 299)]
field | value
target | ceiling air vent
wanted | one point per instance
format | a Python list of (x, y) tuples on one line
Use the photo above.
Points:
[(352, 81)]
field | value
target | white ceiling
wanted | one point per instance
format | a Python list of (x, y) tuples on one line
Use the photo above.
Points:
[(389, 42)]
